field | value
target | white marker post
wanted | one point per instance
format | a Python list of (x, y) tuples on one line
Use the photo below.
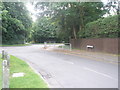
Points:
[(5, 83), (45, 45)]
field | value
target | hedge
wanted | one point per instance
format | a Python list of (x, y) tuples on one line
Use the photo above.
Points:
[(104, 27)]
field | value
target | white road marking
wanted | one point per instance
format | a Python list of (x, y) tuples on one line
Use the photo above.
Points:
[(99, 73), (69, 62)]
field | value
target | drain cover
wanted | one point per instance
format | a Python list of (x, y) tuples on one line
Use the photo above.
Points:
[(47, 76)]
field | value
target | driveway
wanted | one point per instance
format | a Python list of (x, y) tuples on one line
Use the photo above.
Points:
[(67, 71)]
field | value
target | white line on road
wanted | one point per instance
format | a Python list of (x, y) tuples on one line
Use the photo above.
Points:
[(99, 73), (69, 62)]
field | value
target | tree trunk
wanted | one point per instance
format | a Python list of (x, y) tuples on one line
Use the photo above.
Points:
[(118, 10), (74, 32), (81, 18)]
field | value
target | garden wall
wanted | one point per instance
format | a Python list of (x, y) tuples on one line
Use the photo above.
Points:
[(109, 45)]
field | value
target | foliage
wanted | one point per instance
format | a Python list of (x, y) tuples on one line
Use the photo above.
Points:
[(0, 72), (113, 6), (57, 21), (15, 23), (71, 17), (104, 27), (44, 30), (27, 44)]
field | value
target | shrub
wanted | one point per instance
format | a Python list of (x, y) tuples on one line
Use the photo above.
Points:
[(104, 27)]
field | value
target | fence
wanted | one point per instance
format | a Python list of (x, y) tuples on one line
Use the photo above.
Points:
[(109, 45), (49, 44), (5, 69), (63, 46), (67, 46)]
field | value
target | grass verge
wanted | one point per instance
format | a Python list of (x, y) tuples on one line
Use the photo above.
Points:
[(29, 80), (15, 45), (0, 72)]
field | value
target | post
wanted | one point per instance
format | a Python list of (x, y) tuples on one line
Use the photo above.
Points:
[(8, 60), (45, 45), (5, 83), (54, 44), (3, 54), (63, 45), (70, 47)]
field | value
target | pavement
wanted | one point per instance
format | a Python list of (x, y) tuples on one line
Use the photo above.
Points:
[(75, 69), (98, 56)]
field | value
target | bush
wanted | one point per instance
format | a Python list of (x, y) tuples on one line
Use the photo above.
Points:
[(104, 27)]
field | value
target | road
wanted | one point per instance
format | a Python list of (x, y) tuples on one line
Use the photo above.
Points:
[(67, 71)]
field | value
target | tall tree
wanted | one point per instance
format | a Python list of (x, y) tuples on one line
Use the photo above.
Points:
[(16, 23), (72, 16)]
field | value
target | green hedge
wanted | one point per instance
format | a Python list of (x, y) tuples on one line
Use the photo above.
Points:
[(104, 27)]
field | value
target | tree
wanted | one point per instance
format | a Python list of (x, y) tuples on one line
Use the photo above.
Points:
[(113, 6), (44, 30), (16, 23), (72, 16), (102, 28)]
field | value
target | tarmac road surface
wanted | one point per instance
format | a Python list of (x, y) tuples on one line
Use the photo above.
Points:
[(67, 71)]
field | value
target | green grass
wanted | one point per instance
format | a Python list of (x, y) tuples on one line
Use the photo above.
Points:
[(0, 72), (29, 80), (14, 45)]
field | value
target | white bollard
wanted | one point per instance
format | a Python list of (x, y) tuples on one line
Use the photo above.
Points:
[(54, 44), (5, 83), (45, 45)]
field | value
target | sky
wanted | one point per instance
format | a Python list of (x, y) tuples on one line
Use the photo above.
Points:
[(33, 12), (30, 8)]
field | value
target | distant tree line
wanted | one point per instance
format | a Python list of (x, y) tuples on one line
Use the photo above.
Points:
[(77, 20), (58, 21)]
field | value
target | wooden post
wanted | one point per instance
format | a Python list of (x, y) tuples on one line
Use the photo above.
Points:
[(3, 54), (70, 47), (63, 45), (5, 83), (8, 60)]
